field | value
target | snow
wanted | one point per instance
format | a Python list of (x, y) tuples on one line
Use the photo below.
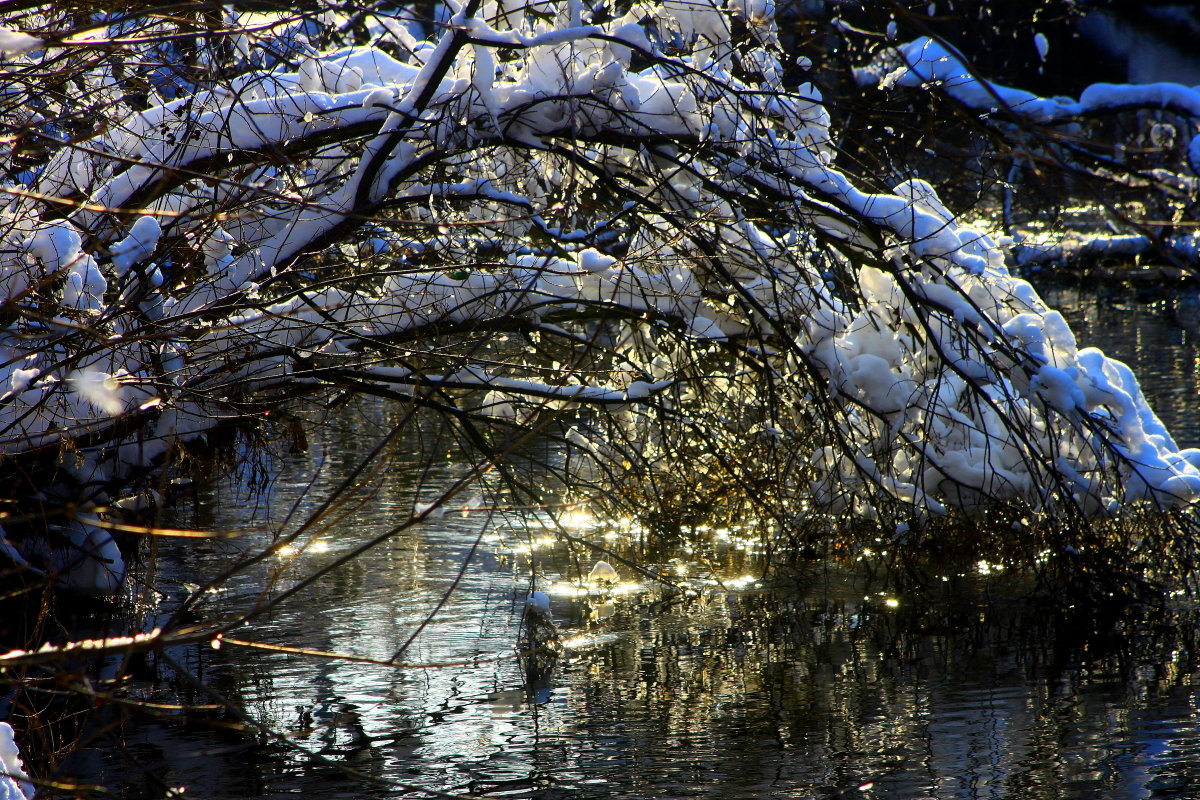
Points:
[(497, 404), (85, 285), (539, 603), (1100, 96), (13, 43), (14, 783), (603, 572), (88, 562), (1058, 388), (929, 62), (1042, 44), (56, 245), (593, 260), (137, 246)]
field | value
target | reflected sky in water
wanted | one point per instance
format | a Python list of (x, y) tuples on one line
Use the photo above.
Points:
[(821, 685)]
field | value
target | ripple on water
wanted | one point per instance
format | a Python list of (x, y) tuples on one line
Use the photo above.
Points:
[(742, 691)]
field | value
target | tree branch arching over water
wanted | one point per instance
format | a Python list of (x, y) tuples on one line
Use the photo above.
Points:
[(628, 227)]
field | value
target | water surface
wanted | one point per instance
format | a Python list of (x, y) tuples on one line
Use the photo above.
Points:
[(819, 684)]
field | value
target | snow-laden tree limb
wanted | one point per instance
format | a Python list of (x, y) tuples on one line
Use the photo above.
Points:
[(1124, 145), (534, 212)]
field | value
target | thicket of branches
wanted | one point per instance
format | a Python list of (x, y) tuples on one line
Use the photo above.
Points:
[(696, 248), (626, 227)]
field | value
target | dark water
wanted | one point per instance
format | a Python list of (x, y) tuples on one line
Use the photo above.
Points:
[(821, 685)]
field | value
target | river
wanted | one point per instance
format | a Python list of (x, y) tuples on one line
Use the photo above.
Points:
[(815, 685)]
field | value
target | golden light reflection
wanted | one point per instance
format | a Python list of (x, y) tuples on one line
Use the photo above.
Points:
[(292, 550), (578, 641), (533, 545), (740, 582), (576, 518), (581, 641)]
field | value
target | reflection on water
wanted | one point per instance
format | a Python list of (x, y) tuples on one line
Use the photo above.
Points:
[(719, 685)]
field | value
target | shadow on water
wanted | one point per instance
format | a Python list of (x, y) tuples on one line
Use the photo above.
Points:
[(718, 682)]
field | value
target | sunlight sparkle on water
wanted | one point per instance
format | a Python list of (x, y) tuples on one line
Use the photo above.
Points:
[(740, 582), (623, 588), (576, 518), (536, 543), (582, 640), (568, 589), (291, 550), (578, 640)]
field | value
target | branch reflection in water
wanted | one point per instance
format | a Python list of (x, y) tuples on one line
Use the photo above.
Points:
[(701, 676)]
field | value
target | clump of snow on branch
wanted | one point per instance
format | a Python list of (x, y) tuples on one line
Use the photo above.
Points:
[(926, 61), (14, 783), (13, 43)]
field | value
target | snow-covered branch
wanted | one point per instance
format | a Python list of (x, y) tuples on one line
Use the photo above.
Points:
[(544, 210), (1133, 150)]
